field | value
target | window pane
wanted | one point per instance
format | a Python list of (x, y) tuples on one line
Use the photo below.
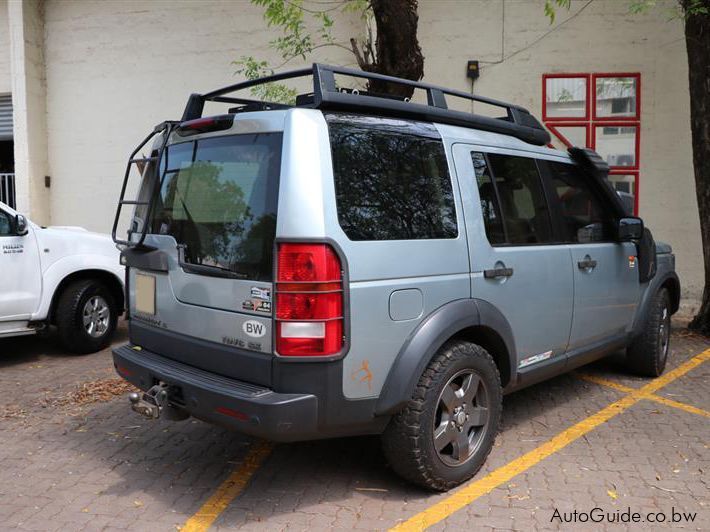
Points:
[(616, 97), (575, 135), (489, 203), (565, 97), (391, 179), (616, 145), (584, 217), (525, 212), (625, 186), (4, 224), (219, 197)]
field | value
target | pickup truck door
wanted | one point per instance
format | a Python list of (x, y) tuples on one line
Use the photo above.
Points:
[(606, 279), (20, 272), (517, 264)]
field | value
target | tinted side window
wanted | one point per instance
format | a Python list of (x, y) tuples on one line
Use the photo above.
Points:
[(492, 220), (391, 179), (584, 217), (5, 225), (526, 214)]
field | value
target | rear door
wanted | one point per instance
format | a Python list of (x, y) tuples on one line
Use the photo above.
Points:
[(606, 285), (215, 218), (517, 263)]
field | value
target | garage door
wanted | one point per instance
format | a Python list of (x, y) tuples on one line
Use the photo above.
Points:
[(5, 117)]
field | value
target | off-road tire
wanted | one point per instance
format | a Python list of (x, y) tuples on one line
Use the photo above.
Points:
[(647, 354), (69, 317), (408, 440)]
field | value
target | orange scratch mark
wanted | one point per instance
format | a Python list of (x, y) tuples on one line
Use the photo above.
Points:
[(364, 373)]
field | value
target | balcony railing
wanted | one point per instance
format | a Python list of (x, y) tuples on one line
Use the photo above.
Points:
[(7, 189)]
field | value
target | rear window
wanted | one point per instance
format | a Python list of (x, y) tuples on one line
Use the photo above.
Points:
[(391, 179), (218, 199)]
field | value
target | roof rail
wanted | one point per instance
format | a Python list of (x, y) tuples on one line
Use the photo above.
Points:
[(517, 122)]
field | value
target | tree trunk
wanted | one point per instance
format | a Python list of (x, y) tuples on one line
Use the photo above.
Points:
[(697, 37), (397, 48)]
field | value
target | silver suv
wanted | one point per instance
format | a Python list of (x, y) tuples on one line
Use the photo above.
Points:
[(359, 264)]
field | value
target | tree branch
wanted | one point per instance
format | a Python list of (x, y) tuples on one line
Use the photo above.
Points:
[(356, 51)]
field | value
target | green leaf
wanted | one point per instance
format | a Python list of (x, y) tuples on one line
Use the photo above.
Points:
[(299, 37), (552, 5)]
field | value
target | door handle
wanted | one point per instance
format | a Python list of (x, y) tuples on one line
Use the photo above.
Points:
[(587, 264), (498, 272)]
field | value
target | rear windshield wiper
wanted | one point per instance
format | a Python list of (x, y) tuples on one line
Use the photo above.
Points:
[(212, 271)]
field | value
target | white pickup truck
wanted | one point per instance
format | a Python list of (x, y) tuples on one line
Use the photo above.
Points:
[(63, 276)]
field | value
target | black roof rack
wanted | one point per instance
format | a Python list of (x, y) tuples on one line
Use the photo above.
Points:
[(517, 122)]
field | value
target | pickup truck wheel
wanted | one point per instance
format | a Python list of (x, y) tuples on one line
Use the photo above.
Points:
[(648, 353), (445, 432), (86, 316)]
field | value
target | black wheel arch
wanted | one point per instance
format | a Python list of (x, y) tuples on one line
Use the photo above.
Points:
[(668, 280), (473, 320), (672, 284), (108, 279)]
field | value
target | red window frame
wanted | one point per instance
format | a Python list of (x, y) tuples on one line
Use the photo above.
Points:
[(590, 121), (552, 126), (587, 110), (636, 117), (637, 142)]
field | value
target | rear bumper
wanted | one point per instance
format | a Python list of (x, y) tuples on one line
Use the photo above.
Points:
[(234, 404)]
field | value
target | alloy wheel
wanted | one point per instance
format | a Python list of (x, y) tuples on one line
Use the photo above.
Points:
[(96, 316), (664, 333), (461, 419)]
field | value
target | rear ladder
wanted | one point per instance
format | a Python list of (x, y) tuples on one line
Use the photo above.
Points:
[(130, 241)]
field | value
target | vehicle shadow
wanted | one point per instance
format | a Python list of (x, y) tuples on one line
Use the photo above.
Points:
[(182, 464), (33, 348)]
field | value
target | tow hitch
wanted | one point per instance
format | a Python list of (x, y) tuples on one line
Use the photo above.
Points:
[(155, 402)]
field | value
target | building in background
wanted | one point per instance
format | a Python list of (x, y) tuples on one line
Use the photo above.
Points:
[(82, 81)]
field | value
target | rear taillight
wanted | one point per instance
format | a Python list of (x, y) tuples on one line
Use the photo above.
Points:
[(309, 300)]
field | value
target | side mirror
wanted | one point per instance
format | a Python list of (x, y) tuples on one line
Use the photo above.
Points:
[(629, 229), (20, 225)]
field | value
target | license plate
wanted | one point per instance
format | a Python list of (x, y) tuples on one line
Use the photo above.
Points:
[(145, 294)]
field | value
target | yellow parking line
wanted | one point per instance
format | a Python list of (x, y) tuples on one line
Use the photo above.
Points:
[(229, 489), (650, 396), (607, 383), (478, 488), (660, 382), (677, 404)]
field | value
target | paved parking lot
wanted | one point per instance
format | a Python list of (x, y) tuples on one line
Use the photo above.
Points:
[(74, 457)]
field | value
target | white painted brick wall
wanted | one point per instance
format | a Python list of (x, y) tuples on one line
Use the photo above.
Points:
[(602, 38), (114, 69), (26, 25), (4, 49)]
